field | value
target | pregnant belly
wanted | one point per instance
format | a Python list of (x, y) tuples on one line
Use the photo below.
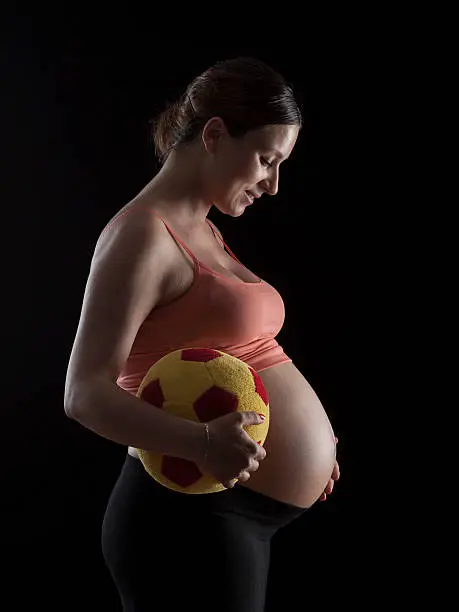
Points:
[(300, 446)]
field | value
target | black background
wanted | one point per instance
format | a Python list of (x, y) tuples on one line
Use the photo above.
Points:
[(77, 95)]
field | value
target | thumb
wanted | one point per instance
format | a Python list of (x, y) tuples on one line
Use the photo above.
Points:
[(252, 418)]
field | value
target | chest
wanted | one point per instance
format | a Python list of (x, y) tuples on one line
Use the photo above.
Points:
[(210, 254)]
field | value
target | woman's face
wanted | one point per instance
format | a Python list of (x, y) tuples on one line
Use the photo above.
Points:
[(248, 164)]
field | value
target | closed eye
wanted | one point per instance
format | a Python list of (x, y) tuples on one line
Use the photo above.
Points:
[(265, 162)]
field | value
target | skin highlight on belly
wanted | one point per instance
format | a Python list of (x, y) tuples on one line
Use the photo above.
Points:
[(300, 446)]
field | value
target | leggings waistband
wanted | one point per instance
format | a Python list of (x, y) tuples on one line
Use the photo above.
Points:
[(239, 500)]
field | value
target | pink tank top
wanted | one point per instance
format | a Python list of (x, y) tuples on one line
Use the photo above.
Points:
[(230, 315)]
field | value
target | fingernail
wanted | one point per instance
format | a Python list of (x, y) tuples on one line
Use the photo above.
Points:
[(262, 416)]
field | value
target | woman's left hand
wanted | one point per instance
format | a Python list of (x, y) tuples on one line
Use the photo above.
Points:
[(331, 483)]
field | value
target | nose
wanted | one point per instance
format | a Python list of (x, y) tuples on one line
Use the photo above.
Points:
[(271, 184)]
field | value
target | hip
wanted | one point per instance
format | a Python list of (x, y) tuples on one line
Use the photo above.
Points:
[(166, 548), (135, 485)]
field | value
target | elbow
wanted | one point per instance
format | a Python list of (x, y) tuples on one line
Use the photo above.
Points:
[(81, 395), (69, 411), (73, 399)]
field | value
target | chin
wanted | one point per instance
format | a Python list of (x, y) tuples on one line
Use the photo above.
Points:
[(236, 213), (233, 209)]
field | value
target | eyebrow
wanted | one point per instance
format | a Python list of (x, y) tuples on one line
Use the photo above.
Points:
[(279, 154)]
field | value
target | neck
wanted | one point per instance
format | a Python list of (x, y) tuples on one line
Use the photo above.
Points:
[(177, 190)]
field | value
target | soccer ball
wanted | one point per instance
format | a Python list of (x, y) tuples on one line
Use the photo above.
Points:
[(200, 384)]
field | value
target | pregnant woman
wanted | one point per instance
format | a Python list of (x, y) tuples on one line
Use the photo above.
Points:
[(161, 279)]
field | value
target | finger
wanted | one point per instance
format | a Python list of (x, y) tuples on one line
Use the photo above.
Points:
[(336, 473), (329, 487), (259, 457), (336, 440), (255, 449), (323, 497), (261, 453)]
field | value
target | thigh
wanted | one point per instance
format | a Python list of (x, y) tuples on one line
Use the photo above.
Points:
[(237, 561), (175, 562)]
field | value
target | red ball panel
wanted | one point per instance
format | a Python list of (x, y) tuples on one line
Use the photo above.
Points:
[(259, 386), (153, 394), (215, 402), (180, 471)]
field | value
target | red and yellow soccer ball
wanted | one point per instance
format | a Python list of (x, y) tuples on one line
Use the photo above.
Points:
[(200, 384)]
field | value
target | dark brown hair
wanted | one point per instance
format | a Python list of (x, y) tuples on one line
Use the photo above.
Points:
[(245, 92)]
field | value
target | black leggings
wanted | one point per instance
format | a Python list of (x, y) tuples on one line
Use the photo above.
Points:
[(169, 551)]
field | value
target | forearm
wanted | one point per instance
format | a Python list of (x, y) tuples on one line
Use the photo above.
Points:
[(115, 414)]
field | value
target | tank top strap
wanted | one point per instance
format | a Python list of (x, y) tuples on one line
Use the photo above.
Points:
[(179, 240), (218, 238)]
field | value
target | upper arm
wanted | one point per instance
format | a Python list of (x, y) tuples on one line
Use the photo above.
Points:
[(124, 284)]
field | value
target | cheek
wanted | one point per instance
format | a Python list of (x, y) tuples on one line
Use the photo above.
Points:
[(253, 170), (234, 173), (248, 172), (233, 177)]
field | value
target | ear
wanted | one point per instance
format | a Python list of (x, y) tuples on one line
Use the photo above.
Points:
[(212, 134)]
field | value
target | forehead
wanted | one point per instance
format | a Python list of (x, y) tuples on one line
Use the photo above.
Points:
[(278, 139)]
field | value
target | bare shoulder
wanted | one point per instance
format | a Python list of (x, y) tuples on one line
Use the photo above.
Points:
[(133, 223), (126, 281), (136, 230)]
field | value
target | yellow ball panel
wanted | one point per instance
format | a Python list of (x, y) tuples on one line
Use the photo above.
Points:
[(186, 381), (258, 433), (231, 374), (181, 409), (165, 363), (151, 462), (168, 362)]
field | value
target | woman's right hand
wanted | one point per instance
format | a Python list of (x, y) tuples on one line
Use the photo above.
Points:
[(232, 453)]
